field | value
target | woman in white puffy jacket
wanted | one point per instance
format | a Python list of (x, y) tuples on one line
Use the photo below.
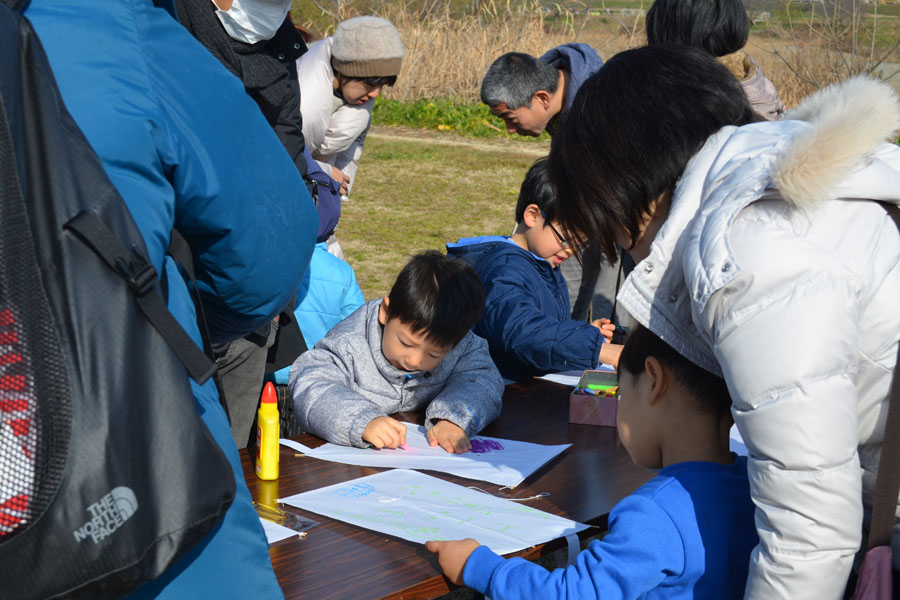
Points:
[(763, 256), (340, 77)]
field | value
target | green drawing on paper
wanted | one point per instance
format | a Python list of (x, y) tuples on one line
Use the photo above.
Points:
[(418, 508)]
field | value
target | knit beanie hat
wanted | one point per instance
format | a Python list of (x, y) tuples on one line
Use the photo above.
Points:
[(367, 47)]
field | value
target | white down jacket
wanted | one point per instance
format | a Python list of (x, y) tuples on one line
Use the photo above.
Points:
[(776, 270), (335, 132)]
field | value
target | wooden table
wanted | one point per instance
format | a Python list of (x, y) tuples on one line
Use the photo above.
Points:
[(338, 560)]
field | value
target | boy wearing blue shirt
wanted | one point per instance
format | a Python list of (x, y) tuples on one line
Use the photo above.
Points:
[(687, 533), (526, 319)]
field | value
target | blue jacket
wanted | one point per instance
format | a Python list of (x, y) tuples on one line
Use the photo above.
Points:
[(580, 60), (328, 294), (526, 314), (186, 147), (687, 533)]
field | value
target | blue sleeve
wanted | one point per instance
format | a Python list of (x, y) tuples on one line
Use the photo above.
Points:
[(642, 548), (520, 333), (240, 200), (353, 299)]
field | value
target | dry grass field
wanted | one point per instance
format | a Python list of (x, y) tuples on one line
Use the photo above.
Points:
[(800, 46)]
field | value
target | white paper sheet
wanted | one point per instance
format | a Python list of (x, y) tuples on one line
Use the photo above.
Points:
[(419, 507), (504, 462), (565, 377), (276, 532), (571, 377)]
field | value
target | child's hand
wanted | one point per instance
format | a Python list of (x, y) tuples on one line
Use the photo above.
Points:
[(385, 432), (452, 556), (451, 437), (606, 327), (609, 354)]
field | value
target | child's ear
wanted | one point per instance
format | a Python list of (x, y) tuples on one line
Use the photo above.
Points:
[(382, 311), (657, 377), (531, 214)]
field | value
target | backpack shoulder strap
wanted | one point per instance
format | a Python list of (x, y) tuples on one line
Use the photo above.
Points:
[(143, 282), (180, 250), (17, 6)]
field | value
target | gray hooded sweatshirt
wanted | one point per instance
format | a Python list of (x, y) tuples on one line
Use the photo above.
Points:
[(345, 381)]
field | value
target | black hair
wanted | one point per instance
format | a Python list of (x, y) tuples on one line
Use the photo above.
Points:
[(515, 78), (438, 295), (374, 81), (708, 392), (630, 132), (537, 189), (718, 27)]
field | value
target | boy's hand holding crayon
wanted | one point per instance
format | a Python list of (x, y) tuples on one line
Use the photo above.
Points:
[(450, 436), (453, 556), (385, 432)]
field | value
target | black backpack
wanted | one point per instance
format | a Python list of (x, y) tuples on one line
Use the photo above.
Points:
[(107, 472)]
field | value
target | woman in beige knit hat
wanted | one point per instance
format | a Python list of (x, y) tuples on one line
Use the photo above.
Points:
[(340, 77)]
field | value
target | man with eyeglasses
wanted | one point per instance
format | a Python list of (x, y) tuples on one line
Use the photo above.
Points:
[(526, 319)]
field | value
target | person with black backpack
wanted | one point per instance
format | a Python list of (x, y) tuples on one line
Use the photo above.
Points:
[(186, 149)]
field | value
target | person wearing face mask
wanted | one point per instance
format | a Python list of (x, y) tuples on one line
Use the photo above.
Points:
[(340, 77), (256, 41)]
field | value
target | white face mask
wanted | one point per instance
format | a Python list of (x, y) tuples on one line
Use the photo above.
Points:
[(252, 21)]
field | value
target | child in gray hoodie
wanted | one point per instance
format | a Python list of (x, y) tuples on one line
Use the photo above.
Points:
[(412, 349)]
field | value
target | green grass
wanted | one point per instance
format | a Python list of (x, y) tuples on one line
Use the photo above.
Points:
[(418, 194), (444, 114)]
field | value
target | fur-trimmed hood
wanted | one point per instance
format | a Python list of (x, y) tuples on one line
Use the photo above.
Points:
[(847, 121)]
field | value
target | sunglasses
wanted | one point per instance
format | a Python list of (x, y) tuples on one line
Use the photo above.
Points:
[(563, 242)]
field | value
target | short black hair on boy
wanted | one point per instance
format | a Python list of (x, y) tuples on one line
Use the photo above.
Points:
[(515, 78), (718, 27), (537, 189), (438, 295), (708, 391), (630, 132)]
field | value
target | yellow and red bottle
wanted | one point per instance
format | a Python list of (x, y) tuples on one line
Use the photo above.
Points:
[(267, 434)]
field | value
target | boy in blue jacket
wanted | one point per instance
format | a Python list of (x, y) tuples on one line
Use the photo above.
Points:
[(526, 315), (687, 533)]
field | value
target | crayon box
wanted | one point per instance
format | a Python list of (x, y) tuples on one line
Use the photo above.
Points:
[(593, 401)]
